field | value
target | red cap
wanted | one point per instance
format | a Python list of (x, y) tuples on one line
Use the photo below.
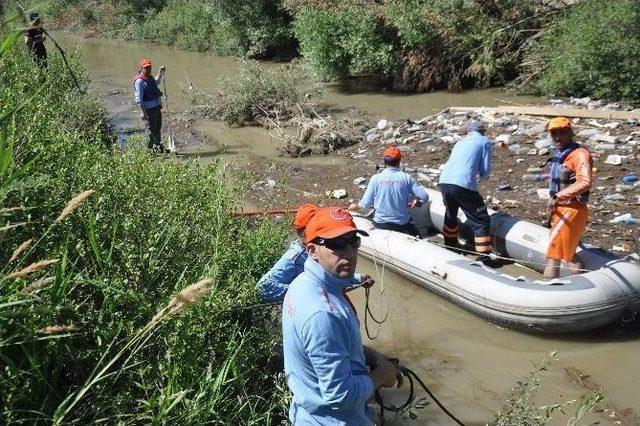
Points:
[(392, 154), (330, 222), (304, 214), (559, 123), (144, 62)]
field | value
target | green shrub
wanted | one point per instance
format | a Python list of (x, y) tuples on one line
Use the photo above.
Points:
[(342, 42), (77, 339), (258, 93), (594, 50)]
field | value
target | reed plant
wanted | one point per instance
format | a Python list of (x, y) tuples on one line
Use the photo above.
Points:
[(99, 321)]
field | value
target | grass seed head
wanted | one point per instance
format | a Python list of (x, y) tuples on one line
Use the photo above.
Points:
[(36, 266), (74, 203), (53, 330), (189, 295), (20, 249), (37, 285)]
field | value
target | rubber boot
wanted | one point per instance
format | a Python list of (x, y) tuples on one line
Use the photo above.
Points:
[(488, 261)]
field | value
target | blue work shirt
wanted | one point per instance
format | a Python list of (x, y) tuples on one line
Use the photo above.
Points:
[(274, 284), (323, 356), (470, 158), (389, 192), (153, 103)]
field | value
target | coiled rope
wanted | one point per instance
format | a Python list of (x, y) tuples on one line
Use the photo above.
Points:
[(411, 376)]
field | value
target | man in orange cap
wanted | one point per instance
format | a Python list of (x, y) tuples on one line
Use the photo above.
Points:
[(329, 372), (570, 182), (470, 158), (274, 284), (149, 98), (391, 193)]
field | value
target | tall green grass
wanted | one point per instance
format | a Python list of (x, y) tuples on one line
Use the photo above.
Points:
[(78, 338)]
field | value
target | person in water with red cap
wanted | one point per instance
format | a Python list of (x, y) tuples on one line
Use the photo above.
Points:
[(149, 98), (391, 193), (274, 284)]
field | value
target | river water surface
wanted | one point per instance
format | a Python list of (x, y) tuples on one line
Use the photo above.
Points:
[(469, 363)]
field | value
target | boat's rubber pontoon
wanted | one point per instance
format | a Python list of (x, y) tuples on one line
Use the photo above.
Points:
[(515, 296)]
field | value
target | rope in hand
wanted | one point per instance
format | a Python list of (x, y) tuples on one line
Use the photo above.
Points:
[(368, 314), (411, 376)]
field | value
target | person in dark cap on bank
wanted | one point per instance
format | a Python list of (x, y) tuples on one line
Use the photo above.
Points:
[(470, 159), (34, 38)]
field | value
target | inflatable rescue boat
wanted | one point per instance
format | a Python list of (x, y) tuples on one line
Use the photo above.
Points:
[(514, 295)]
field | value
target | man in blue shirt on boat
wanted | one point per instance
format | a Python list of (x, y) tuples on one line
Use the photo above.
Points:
[(391, 193), (274, 284), (149, 98), (470, 159), (325, 362)]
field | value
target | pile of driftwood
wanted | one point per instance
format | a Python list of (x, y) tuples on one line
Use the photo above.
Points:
[(303, 136)]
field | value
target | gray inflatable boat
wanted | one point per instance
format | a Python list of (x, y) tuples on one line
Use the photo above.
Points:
[(514, 295)]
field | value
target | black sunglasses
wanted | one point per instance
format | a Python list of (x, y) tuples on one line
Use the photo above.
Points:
[(340, 243)]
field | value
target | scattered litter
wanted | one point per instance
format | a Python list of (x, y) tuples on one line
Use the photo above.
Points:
[(621, 187), (543, 193), (613, 197), (359, 180), (625, 218), (504, 187), (270, 183), (382, 124), (630, 178), (616, 159), (337, 193)]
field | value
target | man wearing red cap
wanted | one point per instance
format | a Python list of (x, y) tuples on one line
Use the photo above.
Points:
[(570, 182), (391, 193), (470, 158), (274, 284), (325, 364), (149, 98)]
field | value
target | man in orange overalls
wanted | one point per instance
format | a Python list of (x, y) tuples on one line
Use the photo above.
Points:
[(569, 190)]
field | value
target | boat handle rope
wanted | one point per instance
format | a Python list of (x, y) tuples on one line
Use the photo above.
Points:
[(494, 256), (411, 376)]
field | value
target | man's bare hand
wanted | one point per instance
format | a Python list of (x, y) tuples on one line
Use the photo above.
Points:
[(384, 375), (354, 208)]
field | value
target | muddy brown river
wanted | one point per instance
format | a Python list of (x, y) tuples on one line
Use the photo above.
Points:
[(469, 363)]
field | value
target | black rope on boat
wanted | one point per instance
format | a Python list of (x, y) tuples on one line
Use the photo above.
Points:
[(411, 376)]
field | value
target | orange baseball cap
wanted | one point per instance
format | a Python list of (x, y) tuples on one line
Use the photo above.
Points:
[(144, 62), (304, 214), (559, 123), (392, 154), (330, 222)]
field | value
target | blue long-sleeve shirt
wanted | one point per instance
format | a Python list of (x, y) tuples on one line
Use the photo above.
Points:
[(324, 360), (388, 193), (153, 102), (470, 158), (274, 284)]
